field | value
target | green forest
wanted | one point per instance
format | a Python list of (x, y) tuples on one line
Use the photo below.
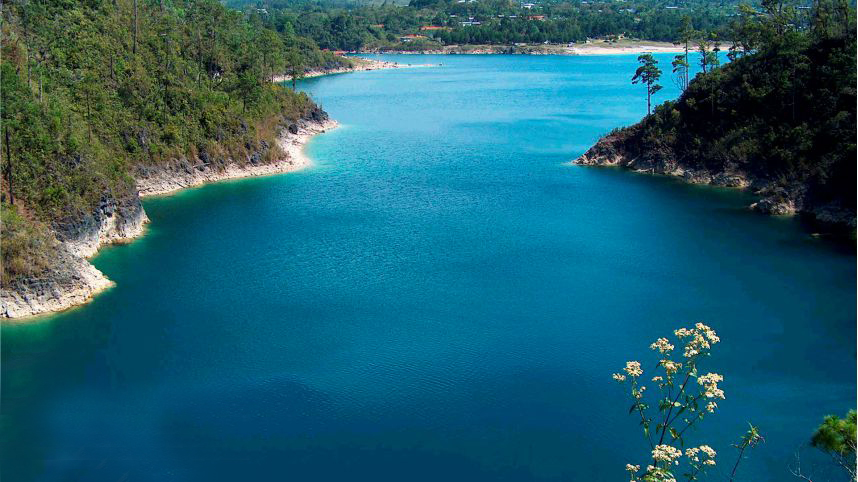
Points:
[(94, 90), (358, 27), (784, 110)]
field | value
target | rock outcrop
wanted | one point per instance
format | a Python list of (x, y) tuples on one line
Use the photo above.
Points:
[(73, 280), (184, 173), (614, 150)]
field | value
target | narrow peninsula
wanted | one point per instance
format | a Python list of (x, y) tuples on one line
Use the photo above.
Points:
[(779, 120)]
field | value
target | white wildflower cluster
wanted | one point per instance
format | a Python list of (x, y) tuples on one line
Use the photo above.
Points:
[(662, 345), (696, 342), (670, 366), (633, 368), (701, 338), (693, 454), (709, 451), (710, 386), (666, 453)]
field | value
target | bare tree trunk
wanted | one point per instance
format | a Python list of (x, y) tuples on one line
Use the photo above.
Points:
[(27, 47), (9, 168), (199, 57), (134, 48), (88, 118), (164, 78)]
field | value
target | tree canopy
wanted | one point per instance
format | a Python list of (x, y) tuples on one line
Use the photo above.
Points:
[(93, 91)]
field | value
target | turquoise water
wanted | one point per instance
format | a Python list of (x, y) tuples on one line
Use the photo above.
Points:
[(440, 298)]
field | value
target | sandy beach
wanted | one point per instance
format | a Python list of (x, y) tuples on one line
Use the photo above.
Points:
[(602, 48), (597, 47)]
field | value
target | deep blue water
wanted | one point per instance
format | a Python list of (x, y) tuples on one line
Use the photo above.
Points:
[(440, 298)]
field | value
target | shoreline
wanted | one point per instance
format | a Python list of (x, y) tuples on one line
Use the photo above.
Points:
[(362, 65), (593, 48), (80, 280), (291, 144), (771, 199)]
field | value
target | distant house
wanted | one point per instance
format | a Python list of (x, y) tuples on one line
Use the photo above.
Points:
[(469, 23), (527, 5), (433, 27), (411, 37), (536, 17)]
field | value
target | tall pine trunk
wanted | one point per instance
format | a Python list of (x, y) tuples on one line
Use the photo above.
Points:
[(648, 97)]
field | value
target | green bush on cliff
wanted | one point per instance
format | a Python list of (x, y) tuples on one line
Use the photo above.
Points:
[(28, 248)]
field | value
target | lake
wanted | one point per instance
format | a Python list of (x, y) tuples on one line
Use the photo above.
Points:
[(440, 297)]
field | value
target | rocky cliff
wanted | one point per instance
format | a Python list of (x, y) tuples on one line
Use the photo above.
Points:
[(72, 280), (620, 149)]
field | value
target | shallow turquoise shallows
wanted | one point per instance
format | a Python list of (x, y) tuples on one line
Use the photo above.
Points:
[(441, 298)]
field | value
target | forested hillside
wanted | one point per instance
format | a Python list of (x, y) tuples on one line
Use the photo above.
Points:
[(781, 117), (425, 24), (95, 91)]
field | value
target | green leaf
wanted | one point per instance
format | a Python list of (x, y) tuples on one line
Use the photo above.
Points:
[(674, 433)]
